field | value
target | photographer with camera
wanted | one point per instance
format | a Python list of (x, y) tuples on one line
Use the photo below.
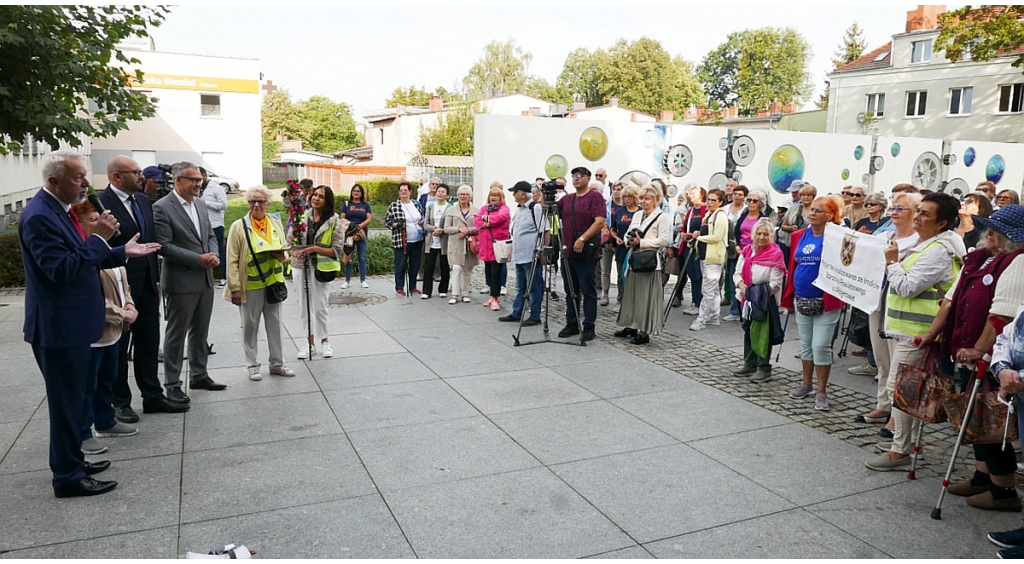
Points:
[(583, 216), (649, 232)]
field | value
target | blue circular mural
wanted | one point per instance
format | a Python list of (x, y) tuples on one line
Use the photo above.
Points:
[(784, 166), (858, 153), (969, 156), (995, 169), (895, 149)]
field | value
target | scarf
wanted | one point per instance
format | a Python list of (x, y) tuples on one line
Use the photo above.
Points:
[(770, 256), (261, 227)]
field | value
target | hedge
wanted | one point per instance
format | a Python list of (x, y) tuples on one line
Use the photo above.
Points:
[(12, 270), (382, 190)]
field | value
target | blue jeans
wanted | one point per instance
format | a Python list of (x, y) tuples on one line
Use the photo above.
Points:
[(361, 252), (408, 260), (581, 272), (99, 390), (536, 290), (696, 279), (816, 336), (730, 287)]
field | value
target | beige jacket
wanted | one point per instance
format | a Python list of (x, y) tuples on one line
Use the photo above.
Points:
[(657, 236), (238, 254), (114, 308), (340, 226), (458, 255)]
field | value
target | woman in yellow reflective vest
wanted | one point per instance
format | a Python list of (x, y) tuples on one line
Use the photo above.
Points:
[(916, 285), (325, 235), (247, 287)]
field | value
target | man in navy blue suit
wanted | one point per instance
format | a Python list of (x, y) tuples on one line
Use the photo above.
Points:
[(64, 308)]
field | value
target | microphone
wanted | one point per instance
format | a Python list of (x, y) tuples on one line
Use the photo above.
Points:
[(96, 203)]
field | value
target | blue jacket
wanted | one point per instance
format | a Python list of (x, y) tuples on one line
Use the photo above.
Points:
[(64, 304)]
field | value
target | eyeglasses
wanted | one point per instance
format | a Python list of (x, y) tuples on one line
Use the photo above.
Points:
[(577, 176), (847, 193), (191, 179), (871, 205), (898, 209), (132, 172), (257, 202), (855, 195), (753, 201), (816, 211)]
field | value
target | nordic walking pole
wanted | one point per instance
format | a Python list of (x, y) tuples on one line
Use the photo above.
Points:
[(982, 368), (309, 319), (785, 325)]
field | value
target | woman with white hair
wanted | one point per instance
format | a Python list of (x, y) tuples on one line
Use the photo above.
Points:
[(458, 225), (255, 262), (760, 272), (641, 313)]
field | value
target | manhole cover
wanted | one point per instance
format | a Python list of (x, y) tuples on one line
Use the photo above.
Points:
[(338, 299), (355, 299)]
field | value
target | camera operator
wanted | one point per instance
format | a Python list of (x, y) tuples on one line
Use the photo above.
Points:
[(527, 223), (583, 216), (153, 176)]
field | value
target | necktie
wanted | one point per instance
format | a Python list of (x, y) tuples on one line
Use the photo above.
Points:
[(78, 226), (138, 216)]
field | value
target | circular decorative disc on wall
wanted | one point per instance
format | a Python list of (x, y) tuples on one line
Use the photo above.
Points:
[(895, 149), (635, 178), (672, 191), (593, 143), (926, 172), (717, 180), (742, 150), (784, 166), (958, 187), (678, 160), (648, 138), (995, 169), (858, 153), (845, 174), (556, 166), (969, 156)]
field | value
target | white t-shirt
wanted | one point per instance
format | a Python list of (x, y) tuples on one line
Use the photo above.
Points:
[(413, 231), (438, 214)]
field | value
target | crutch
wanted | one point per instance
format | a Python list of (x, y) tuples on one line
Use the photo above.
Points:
[(912, 475), (785, 324), (982, 368)]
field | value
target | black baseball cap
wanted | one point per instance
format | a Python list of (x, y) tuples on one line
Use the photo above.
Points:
[(582, 170), (522, 186)]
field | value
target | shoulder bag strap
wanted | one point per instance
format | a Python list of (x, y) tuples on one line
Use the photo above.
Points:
[(650, 225), (256, 260)]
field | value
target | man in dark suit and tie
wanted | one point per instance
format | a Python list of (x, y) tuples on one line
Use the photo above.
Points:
[(64, 309), (127, 202), (189, 247)]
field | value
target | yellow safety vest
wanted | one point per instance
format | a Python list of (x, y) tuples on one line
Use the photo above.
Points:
[(328, 264), (913, 316), (273, 269)]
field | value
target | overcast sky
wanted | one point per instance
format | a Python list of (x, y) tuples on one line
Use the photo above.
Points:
[(359, 54)]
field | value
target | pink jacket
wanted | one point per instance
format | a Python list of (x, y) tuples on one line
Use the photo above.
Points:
[(498, 231)]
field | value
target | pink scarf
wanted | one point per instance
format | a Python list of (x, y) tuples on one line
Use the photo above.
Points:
[(770, 256)]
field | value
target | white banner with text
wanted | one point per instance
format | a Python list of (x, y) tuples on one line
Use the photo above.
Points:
[(852, 267)]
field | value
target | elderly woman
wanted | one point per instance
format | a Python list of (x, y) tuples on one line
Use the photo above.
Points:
[(358, 211), (120, 311), (714, 236), (875, 205), (405, 219), (458, 225), (325, 235), (796, 217), (687, 254), (1007, 364), (816, 311), (975, 310), (1007, 197), (492, 222), (760, 264), (608, 250), (902, 217), (641, 313), (975, 204), (255, 261), (622, 218), (735, 205), (433, 226), (917, 284)]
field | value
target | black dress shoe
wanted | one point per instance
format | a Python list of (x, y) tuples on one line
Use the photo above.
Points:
[(86, 487), (531, 322), (569, 331), (177, 396), (588, 334), (641, 339), (207, 384), (126, 414), (508, 318), (164, 406), (91, 468), (627, 332)]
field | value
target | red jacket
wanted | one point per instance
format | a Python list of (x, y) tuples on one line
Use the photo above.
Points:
[(831, 302)]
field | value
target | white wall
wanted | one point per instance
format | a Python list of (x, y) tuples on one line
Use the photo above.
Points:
[(21, 174), (613, 113), (1012, 156)]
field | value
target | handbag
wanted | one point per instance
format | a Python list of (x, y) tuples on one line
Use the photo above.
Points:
[(858, 330), (921, 388), (987, 419), (644, 261), (276, 292), (473, 243), (501, 250), (809, 306)]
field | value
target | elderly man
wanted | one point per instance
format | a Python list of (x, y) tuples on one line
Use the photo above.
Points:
[(127, 203), (64, 308), (583, 215), (527, 223), (189, 248)]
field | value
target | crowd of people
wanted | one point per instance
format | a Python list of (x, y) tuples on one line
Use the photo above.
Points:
[(953, 284)]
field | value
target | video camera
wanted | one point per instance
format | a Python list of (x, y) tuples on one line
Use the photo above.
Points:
[(550, 191), (164, 184)]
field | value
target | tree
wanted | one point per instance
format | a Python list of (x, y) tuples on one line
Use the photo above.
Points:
[(540, 88), (579, 76), (412, 96), (453, 134), (329, 125), (281, 117), (689, 90), (851, 47), (270, 149), (982, 33), (503, 68), (62, 75), (755, 67)]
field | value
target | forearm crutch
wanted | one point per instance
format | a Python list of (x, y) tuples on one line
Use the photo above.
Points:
[(982, 368)]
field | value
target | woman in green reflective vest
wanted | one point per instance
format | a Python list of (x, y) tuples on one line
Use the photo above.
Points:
[(916, 285), (255, 246), (325, 235)]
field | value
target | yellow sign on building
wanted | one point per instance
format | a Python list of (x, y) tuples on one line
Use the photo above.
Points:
[(181, 82)]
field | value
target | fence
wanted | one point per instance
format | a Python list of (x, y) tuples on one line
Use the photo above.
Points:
[(452, 176), (341, 177)]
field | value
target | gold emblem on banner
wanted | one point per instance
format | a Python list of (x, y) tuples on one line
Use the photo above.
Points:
[(848, 249)]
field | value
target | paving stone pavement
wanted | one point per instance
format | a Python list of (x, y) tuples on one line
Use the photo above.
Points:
[(430, 435)]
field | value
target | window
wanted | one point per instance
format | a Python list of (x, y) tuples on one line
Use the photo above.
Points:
[(209, 104), (876, 105), (960, 101), (1010, 98), (881, 57), (916, 103), (922, 51)]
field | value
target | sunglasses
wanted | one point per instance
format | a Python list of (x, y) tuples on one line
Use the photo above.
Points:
[(257, 202), (871, 205), (856, 195), (847, 193), (753, 201)]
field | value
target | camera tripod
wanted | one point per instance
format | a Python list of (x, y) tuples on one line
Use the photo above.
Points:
[(550, 252)]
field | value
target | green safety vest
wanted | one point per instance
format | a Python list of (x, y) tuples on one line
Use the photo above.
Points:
[(328, 264), (273, 269), (914, 316)]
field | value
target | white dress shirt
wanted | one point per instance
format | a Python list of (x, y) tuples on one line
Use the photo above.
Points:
[(190, 209)]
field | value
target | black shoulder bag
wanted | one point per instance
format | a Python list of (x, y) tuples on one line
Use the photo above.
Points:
[(644, 261), (276, 292)]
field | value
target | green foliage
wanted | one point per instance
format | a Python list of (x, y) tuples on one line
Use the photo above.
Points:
[(380, 257), (851, 48), (238, 207), (381, 191), (503, 67), (982, 33), (270, 149), (540, 88), (57, 61), (418, 96), (282, 117), (330, 126), (755, 67), (12, 269), (624, 71), (453, 134), (822, 102)]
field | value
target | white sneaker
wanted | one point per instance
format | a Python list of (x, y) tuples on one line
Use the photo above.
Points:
[(504, 292), (222, 283), (424, 296), (344, 285), (254, 374), (443, 294), (304, 353), (326, 351), (697, 325), (692, 310), (282, 371), (485, 290), (713, 321), (364, 284)]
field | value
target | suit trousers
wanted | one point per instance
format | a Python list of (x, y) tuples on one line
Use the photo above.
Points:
[(187, 314), (66, 372), (256, 306), (144, 338)]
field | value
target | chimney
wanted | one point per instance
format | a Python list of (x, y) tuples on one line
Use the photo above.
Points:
[(527, 113), (535, 111), (572, 116), (579, 105), (701, 112), (436, 104), (924, 17), (789, 108), (763, 113), (632, 117), (666, 115), (613, 101), (775, 107), (690, 113)]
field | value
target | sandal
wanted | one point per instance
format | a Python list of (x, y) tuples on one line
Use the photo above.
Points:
[(465, 299), (453, 301)]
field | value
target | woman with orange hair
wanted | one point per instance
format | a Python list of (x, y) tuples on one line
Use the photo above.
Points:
[(816, 312)]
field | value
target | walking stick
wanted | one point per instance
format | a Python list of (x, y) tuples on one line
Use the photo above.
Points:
[(677, 291), (309, 318), (785, 325), (982, 367)]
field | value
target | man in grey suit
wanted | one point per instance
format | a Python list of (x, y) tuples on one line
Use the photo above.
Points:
[(189, 248)]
